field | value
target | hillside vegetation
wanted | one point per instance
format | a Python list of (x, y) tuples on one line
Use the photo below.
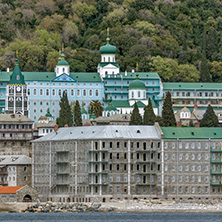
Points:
[(181, 40)]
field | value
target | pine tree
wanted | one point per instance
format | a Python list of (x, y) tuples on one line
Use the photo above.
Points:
[(65, 114), (136, 118), (78, 117), (204, 69), (168, 118), (149, 117), (209, 118)]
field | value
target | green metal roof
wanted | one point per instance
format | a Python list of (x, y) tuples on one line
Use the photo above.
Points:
[(137, 84), (142, 75), (192, 132), (107, 63), (191, 86), (110, 107), (48, 76), (16, 77), (125, 104)]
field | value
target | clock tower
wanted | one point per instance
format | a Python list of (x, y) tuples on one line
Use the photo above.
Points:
[(16, 100)]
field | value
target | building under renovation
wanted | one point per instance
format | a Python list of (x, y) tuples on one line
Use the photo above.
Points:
[(101, 163)]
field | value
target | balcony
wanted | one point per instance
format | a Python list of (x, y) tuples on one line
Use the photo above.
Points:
[(216, 183), (3, 183), (146, 173), (97, 173), (145, 184), (98, 184), (62, 161), (216, 172), (99, 161), (216, 150), (96, 151), (145, 161), (146, 151), (216, 160)]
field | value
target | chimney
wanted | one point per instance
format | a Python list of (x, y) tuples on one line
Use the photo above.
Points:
[(197, 124), (179, 124), (66, 125), (195, 106), (8, 69), (56, 127), (125, 73)]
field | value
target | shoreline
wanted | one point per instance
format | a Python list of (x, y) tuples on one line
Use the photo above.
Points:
[(111, 207)]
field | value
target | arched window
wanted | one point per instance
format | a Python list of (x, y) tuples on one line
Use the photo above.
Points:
[(78, 92), (60, 92), (104, 59), (97, 93), (47, 92), (72, 92), (84, 92), (34, 92), (132, 94), (63, 70), (113, 59), (144, 94), (108, 59), (28, 92), (139, 94), (90, 92), (53, 92), (182, 115), (41, 92)]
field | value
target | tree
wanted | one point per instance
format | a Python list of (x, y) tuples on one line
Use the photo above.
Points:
[(78, 117), (191, 123), (136, 118), (167, 113), (149, 117), (65, 114), (209, 118), (204, 70), (96, 107)]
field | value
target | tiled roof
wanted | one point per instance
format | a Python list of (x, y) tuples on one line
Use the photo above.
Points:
[(14, 118), (5, 190), (192, 132), (15, 160), (191, 86)]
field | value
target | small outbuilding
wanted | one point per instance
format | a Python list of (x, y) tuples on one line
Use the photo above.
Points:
[(18, 194)]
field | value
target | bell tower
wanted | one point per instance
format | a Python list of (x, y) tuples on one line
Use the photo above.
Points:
[(16, 100)]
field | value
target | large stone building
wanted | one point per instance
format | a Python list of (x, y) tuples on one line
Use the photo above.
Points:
[(16, 133), (128, 162), (98, 163)]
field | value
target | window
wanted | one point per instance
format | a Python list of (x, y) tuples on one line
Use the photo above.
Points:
[(117, 167), (173, 145), (41, 92), (47, 92), (90, 92), (60, 92), (132, 94), (78, 92), (173, 179), (72, 92), (84, 92), (165, 145), (97, 93), (34, 92)]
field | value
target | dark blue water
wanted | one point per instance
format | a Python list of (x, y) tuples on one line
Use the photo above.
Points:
[(112, 217)]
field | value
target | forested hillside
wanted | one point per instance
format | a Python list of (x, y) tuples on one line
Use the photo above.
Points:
[(181, 40)]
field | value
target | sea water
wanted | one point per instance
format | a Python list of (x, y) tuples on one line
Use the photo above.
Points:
[(112, 217)]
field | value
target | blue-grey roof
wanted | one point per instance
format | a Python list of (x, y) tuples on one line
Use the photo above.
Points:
[(102, 132)]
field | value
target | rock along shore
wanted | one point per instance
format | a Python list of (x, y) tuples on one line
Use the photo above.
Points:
[(114, 206)]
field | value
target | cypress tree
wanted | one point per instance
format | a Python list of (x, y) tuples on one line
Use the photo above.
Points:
[(65, 114), (149, 117), (136, 118), (78, 116), (209, 118), (204, 69), (168, 118)]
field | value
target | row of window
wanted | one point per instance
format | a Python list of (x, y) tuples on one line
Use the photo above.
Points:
[(60, 92), (187, 168), (186, 156), (187, 179), (188, 145), (115, 82), (200, 94), (189, 189)]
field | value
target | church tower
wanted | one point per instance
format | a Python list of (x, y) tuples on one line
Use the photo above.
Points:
[(62, 66), (108, 65), (16, 100)]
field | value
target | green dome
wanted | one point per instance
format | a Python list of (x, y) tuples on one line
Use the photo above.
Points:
[(137, 84), (83, 111), (108, 49), (62, 63), (110, 107)]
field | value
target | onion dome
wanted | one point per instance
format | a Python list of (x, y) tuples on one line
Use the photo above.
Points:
[(48, 114), (83, 111), (16, 78), (108, 49), (62, 61), (137, 84), (110, 107)]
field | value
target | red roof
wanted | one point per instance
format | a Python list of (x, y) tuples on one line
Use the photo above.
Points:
[(9, 189)]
